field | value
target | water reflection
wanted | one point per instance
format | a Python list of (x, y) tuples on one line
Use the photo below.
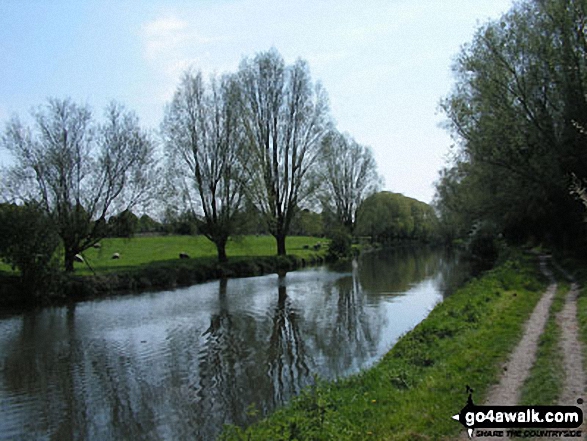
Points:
[(395, 270), (179, 365), (220, 359), (288, 370)]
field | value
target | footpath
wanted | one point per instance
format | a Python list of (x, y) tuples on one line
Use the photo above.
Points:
[(517, 369)]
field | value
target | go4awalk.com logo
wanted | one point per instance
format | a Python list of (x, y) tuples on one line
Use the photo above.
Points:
[(520, 421)]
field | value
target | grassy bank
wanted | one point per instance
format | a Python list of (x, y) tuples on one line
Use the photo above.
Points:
[(413, 392), (153, 263), (142, 251)]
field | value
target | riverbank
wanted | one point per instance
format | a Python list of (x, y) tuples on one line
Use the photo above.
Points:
[(179, 364), (67, 288), (153, 263), (413, 392)]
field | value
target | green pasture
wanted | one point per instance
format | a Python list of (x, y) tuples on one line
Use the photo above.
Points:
[(140, 251)]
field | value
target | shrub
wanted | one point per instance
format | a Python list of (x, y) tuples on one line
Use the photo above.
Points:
[(28, 240), (340, 244), (484, 242)]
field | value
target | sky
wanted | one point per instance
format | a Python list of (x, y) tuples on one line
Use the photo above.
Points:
[(385, 64)]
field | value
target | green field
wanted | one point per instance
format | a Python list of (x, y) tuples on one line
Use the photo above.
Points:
[(153, 262), (140, 251)]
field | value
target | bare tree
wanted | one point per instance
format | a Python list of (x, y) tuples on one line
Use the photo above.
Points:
[(203, 140), (349, 175), (77, 170), (284, 117)]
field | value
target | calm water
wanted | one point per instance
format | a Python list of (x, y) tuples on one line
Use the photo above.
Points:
[(180, 364)]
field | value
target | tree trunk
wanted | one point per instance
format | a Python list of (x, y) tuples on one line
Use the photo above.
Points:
[(69, 259), (280, 238), (221, 249)]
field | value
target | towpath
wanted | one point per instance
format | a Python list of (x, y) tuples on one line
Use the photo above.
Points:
[(516, 370)]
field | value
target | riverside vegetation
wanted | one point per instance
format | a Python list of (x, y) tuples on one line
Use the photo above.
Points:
[(415, 389), (518, 115), (30, 274), (148, 263)]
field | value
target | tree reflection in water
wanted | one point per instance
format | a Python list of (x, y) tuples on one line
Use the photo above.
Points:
[(286, 356), (181, 364), (219, 395), (352, 325)]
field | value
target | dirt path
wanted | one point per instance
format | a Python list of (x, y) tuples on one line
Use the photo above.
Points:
[(517, 368), (574, 385), (575, 379)]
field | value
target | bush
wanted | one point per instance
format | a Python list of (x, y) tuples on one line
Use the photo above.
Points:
[(124, 224), (28, 241), (484, 242), (340, 244)]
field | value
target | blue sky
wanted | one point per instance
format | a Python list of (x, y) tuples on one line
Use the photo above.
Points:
[(385, 64)]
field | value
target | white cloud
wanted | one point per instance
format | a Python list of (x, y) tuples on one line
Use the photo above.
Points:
[(172, 45), (385, 66), (164, 35)]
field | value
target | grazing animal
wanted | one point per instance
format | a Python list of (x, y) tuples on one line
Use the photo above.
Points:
[(317, 246), (116, 256), (97, 245), (183, 255), (78, 258)]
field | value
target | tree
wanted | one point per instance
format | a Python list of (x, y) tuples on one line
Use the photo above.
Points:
[(307, 223), (341, 242), (520, 95), (28, 242), (147, 224), (184, 223), (203, 141), (285, 118), (124, 224), (79, 170), (349, 176), (388, 217)]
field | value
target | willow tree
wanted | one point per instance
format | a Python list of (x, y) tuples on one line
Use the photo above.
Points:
[(284, 116), (519, 96), (388, 217), (203, 139), (348, 175), (78, 171)]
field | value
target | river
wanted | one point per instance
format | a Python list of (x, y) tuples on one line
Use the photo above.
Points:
[(179, 364)]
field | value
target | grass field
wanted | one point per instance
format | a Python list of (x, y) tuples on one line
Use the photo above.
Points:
[(153, 263), (140, 251)]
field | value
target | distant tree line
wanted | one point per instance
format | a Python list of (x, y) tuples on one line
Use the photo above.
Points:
[(255, 151), (518, 113), (388, 217)]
